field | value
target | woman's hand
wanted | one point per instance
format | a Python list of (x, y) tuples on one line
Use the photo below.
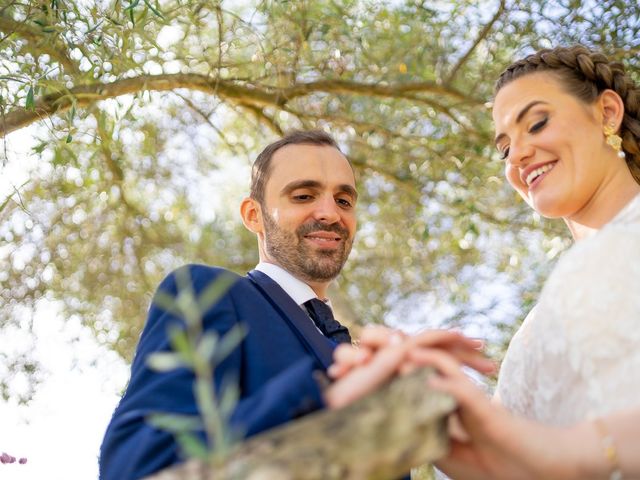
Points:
[(488, 442), (374, 338)]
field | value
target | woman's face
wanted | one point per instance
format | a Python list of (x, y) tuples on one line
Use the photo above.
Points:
[(553, 145)]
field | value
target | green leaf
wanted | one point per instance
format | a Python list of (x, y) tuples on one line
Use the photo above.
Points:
[(192, 446), (207, 345), (181, 345), (165, 361), (175, 423), (229, 395), (30, 104), (229, 342), (40, 147), (166, 302), (58, 158), (68, 139), (132, 5), (183, 282), (5, 202), (212, 293), (153, 9)]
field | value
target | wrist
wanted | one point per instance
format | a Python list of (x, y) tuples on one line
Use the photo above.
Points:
[(595, 455), (608, 448), (568, 453)]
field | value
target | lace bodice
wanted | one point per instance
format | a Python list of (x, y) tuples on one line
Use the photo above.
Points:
[(577, 354)]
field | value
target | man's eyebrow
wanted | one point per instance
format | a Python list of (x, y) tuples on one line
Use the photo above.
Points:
[(291, 186), (520, 116), (349, 190)]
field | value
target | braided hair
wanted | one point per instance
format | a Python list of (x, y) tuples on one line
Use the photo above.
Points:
[(585, 74)]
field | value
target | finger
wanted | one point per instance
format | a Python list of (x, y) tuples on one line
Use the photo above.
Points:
[(476, 360), (378, 336), (453, 380), (346, 358), (462, 462), (431, 338), (473, 403), (366, 378), (445, 363), (349, 355), (337, 370), (456, 430), (407, 367), (460, 348)]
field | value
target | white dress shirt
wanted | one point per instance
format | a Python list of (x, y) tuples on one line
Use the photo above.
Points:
[(299, 291)]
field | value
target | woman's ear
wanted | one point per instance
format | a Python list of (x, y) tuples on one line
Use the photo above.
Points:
[(251, 213), (612, 108)]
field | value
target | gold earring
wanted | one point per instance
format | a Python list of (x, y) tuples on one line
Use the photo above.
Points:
[(613, 139)]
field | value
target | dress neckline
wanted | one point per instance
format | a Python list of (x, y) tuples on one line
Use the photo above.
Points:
[(629, 212)]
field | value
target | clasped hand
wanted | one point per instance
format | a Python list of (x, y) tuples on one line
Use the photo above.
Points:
[(487, 442), (384, 353)]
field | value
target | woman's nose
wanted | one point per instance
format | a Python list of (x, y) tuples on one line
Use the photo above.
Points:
[(520, 153)]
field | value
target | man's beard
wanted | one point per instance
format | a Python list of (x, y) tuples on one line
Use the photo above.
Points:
[(300, 259)]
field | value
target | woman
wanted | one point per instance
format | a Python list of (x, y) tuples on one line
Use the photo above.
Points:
[(567, 405)]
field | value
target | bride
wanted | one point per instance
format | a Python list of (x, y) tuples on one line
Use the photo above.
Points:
[(567, 405)]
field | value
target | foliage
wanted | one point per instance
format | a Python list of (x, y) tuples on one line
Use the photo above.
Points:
[(150, 112), (199, 352)]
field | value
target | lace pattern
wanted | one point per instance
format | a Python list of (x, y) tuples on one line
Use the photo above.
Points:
[(577, 354)]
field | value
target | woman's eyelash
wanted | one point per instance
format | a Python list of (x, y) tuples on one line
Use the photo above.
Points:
[(539, 125), (534, 128)]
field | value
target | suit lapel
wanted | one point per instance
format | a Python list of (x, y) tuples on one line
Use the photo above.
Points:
[(298, 321)]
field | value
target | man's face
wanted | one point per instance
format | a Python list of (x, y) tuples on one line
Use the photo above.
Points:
[(308, 213)]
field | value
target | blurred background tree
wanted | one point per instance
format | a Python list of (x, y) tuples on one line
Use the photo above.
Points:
[(148, 114)]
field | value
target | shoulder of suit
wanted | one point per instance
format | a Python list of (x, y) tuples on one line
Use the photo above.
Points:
[(199, 276)]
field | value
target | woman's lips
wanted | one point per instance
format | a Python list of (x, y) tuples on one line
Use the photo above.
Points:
[(532, 175)]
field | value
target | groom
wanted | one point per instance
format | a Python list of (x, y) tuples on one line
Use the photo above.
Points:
[(302, 210)]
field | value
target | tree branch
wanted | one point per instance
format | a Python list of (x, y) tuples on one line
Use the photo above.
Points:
[(205, 118), (481, 36), (83, 95), (39, 42), (378, 437), (400, 90), (264, 118)]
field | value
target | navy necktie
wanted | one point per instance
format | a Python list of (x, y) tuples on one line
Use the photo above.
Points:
[(322, 316)]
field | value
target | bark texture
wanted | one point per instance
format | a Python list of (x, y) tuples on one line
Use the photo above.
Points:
[(379, 437)]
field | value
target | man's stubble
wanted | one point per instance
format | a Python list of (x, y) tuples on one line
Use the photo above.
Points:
[(301, 260)]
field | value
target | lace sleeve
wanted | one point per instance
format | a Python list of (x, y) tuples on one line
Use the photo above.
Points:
[(593, 299)]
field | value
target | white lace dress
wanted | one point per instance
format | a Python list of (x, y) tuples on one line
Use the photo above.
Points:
[(577, 354)]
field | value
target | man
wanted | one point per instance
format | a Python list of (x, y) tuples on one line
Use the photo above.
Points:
[(302, 210)]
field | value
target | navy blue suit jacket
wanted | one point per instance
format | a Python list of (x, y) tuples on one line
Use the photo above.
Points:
[(274, 366)]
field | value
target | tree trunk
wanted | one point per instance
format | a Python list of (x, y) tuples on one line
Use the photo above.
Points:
[(381, 436)]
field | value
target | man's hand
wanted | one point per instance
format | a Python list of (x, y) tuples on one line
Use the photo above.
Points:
[(366, 374)]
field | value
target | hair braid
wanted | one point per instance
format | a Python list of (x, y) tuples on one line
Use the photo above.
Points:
[(585, 74)]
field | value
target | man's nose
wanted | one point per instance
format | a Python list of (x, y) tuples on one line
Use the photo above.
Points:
[(326, 209)]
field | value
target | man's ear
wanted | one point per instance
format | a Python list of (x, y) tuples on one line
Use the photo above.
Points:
[(612, 108), (251, 213)]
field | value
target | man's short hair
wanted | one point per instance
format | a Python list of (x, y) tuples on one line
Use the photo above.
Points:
[(262, 166)]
